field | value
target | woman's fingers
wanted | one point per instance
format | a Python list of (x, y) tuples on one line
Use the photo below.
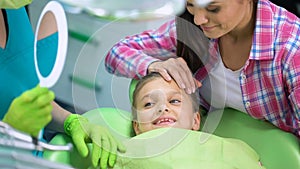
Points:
[(178, 70), (159, 67)]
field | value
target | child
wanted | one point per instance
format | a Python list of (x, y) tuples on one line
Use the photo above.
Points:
[(164, 117), (158, 103)]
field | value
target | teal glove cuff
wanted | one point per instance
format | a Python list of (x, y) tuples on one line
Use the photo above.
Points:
[(71, 122)]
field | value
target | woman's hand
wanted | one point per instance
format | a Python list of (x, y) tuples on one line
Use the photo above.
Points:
[(177, 69)]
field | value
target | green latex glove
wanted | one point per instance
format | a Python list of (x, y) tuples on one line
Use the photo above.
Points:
[(14, 4), (31, 111), (105, 146)]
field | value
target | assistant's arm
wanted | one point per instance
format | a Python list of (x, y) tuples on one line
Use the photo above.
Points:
[(59, 115), (292, 76)]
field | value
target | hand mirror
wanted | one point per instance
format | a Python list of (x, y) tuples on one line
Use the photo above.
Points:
[(50, 44)]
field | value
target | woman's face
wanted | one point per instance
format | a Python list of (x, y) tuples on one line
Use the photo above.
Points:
[(221, 16), (163, 104)]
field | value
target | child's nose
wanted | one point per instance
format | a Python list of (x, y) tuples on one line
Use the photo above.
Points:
[(165, 109)]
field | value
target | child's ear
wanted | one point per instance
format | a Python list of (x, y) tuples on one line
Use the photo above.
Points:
[(197, 118), (136, 127)]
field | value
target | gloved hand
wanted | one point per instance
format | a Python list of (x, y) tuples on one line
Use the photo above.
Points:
[(105, 146), (31, 111), (9, 4)]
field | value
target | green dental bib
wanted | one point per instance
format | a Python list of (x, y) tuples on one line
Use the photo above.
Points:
[(178, 148)]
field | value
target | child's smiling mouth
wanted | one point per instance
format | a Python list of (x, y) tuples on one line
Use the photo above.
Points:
[(162, 121)]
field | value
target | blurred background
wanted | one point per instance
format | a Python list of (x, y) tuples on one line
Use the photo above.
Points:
[(291, 5)]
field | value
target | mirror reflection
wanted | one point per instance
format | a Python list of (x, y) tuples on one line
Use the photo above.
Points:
[(47, 43)]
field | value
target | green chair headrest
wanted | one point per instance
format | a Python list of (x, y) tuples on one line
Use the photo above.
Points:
[(132, 88)]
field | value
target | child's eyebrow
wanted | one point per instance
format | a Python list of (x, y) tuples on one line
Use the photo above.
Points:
[(175, 92), (149, 95), (155, 94), (146, 96)]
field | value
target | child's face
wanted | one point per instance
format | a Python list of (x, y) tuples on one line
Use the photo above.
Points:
[(163, 104)]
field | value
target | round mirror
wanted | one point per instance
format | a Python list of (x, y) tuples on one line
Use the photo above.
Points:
[(50, 44)]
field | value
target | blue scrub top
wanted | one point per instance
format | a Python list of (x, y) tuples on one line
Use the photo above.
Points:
[(17, 69)]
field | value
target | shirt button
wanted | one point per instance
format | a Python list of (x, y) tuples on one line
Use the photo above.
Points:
[(243, 77), (247, 104)]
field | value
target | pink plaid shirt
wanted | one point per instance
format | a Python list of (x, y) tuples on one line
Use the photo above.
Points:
[(270, 80)]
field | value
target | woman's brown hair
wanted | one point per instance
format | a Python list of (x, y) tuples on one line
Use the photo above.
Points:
[(192, 44)]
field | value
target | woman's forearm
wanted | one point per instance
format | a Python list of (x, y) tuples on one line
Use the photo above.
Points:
[(58, 117)]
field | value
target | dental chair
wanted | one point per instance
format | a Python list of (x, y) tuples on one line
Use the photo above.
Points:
[(277, 149), (19, 150)]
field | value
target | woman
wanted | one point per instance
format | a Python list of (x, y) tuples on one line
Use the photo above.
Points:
[(252, 63)]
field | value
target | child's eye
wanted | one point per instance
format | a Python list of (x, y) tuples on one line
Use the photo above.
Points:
[(149, 104), (175, 101)]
